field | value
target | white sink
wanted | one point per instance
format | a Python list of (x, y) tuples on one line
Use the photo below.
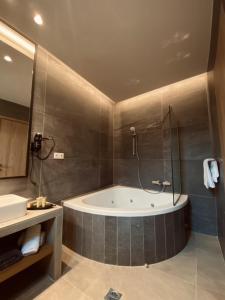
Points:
[(11, 207)]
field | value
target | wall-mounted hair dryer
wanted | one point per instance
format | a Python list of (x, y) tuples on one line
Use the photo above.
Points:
[(36, 145), (37, 142)]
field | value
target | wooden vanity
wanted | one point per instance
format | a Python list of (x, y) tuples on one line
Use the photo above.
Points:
[(51, 220)]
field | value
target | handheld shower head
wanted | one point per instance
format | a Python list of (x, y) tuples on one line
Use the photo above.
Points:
[(134, 140), (133, 131)]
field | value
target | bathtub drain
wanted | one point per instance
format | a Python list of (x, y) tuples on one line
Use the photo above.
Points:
[(113, 295)]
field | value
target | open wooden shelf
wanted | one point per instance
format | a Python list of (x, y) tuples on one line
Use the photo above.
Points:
[(26, 262)]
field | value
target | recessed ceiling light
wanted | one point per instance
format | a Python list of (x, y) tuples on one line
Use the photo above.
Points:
[(8, 58), (38, 19)]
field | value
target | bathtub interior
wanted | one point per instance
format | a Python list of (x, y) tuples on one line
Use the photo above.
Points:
[(124, 197)]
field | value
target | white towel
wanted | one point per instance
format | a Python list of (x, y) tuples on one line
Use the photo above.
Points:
[(211, 173), (214, 170), (31, 240)]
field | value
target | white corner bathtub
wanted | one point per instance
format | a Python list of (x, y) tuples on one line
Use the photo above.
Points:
[(125, 226), (124, 201)]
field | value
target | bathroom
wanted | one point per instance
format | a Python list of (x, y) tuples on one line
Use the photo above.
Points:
[(112, 147)]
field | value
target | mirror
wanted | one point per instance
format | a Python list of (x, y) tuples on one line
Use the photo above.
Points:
[(16, 76)]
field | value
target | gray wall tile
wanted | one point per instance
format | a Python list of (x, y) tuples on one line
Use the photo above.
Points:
[(137, 241), (170, 231), (87, 235), (123, 240), (111, 240), (180, 234), (98, 237), (160, 237), (149, 239), (203, 214)]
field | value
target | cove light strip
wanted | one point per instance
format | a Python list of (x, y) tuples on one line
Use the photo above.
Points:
[(17, 41)]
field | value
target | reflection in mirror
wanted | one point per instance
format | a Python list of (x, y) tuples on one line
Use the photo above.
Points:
[(16, 75)]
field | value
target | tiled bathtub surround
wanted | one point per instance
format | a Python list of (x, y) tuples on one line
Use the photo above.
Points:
[(79, 117), (125, 241), (188, 99)]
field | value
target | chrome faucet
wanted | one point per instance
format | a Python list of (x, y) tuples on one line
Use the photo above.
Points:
[(164, 183), (156, 182)]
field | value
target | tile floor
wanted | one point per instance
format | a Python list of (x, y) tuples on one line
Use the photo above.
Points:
[(198, 272)]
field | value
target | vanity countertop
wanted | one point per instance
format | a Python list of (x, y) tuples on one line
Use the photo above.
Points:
[(31, 218)]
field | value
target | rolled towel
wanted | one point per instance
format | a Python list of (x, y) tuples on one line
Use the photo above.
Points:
[(214, 170), (208, 179), (9, 258), (31, 240), (42, 238)]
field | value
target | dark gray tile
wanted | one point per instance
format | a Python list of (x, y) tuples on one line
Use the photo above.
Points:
[(87, 235), (40, 81), (106, 172), (125, 172), (180, 234), (160, 237), (66, 97), (105, 145), (78, 224), (69, 228), (189, 104), (176, 169), (42, 60), (123, 241), (144, 113), (72, 136), (98, 238), (123, 146), (170, 239), (166, 143), (151, 170), (150, 144), (149, 239), (62, 179), (106, 117), (137, 241), (111, 240), (195, 142), (192, 178), (203, 214)]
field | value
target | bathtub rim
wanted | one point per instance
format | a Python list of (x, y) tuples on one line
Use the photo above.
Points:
[(118, 212)]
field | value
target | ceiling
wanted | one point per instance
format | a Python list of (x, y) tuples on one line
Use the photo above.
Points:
[(16, 76), (124, 48)]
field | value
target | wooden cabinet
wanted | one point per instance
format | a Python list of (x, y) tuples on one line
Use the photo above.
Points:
[(13, 147)]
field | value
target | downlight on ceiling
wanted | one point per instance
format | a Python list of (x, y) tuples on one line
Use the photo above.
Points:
[(8, 58), (38, 19)]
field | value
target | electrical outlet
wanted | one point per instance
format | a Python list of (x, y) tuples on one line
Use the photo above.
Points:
[(58, 155)]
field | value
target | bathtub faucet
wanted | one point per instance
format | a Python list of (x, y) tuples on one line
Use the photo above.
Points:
[(164, 183), (156, 182)]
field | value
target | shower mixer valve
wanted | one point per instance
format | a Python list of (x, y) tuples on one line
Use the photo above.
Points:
[(166, 183)]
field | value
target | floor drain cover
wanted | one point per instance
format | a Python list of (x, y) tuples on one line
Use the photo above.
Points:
[(113, 295)]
